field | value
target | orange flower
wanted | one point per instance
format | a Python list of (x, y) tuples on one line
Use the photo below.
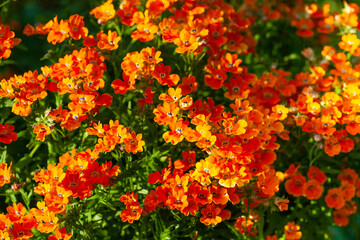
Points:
[(325, 125), (352, 123), (292, 231), (314, 108), (186, 102), (148, 94), (241, 108), (313, 189), (216, 78), (4, 235), (126, 13), (347, 144), (210, 215), (21, 231), (49, 223), (108, 41), (133, 142), (157, 7), (348, 18), (268, 237), (77, 184), (6, 133), (77, 29), (202, 172), (58, 115), (282, 204), (216, 36), (85, 102), (41, 131), (168, 29), (5, 174), (335, 198), (279, 112), (350, 176), (196, 27), (332, 146), (349, 42), (104, 12), (291, 170), (348, 190), (304, 26), (326, 25), (340, 218), (173, 95), (328, 52), (268, 182), (151, 201), (178, 131), (177, 200), (145, 32), (295, 185), (150, 56), (7, 41), (316, 174), (58, 32), (188, 85), (122, 86), (243, 224), (237, 88), (186, 42), (162, 74), (132, 213), (166, 113), (60, 234), (219, 194), (188, 161), (129, 198), (231, 63), (16, 212), (73, 120)]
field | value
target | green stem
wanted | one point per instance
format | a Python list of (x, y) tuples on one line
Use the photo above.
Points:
[(34, 150), (4, 3)]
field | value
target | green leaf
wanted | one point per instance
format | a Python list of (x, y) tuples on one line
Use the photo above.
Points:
[(354, 155), (6, 102), (107, 204), (11, 194), (25, 197), (332, 171), (7, 62), (3, 156)]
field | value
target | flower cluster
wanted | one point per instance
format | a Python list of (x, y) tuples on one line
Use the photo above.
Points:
[(244, 138), (57, 31), (58, 186), (7, 41)]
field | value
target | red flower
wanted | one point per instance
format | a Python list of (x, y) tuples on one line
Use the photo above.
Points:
[(313, 189), (132, 212), (210, 215), (108, 41), (317, 174), (292, 231), (295, 185), (20, 232), (335, 198), (60, 234), (77, 29), (6, 133), (5, 174), (41, 131)]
